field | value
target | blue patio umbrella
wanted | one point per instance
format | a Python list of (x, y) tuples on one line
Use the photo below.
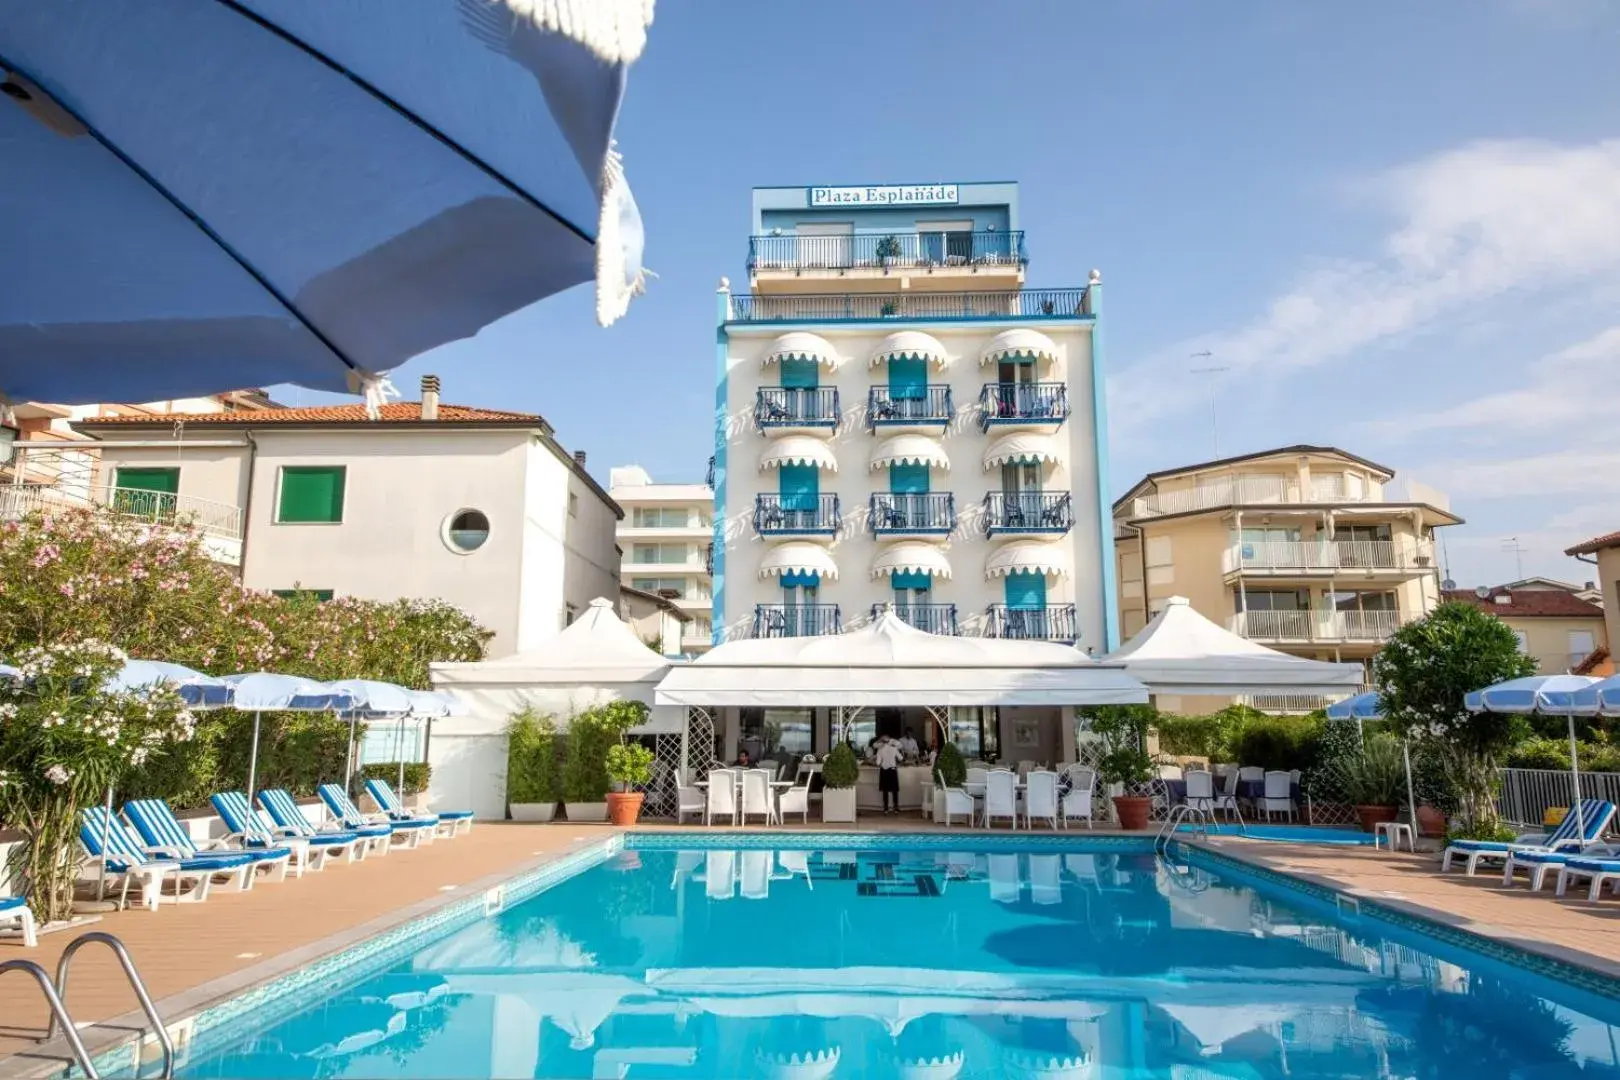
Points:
[(1550, 695), (310, 193), (197, 690), (260, 692), (1601, 698)]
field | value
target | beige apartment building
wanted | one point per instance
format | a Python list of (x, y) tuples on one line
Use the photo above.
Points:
[(1603, 552), (665, 536), (1554, 625), (1308, 549)]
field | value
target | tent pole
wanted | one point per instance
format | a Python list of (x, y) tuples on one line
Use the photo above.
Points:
[(253, 761), (1575, 780)]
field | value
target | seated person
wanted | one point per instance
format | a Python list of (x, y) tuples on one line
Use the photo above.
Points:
[(744, 761)]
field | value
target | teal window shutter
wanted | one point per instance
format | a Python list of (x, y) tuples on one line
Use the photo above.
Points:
[(908, 378), (908, 479), (1025, 591), (800, 374), (799, 486)]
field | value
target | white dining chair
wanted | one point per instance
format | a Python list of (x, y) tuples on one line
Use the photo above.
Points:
[(756, 871), (1279, 797), (689, 799), (686, 864), (770, 766), (1041, 797), (756, 795), (720, 874), (1077, 803), (976, 774), (1170, 772), (1000, 797), (1046, 879), (796, 864), (722, 800), (796, 799), (1251, 772), (957, 802), (1201, 793), (1004, 883)]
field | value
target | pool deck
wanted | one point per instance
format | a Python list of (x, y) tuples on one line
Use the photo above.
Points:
[(194, 955)]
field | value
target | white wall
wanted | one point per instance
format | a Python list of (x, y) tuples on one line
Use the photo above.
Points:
[(567, 559), (855, 548), (215, 473)]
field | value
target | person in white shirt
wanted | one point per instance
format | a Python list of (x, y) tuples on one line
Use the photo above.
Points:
[(908, 744), (888, 763)]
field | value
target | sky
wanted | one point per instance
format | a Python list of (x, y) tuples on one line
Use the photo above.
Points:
[(1396, 225)]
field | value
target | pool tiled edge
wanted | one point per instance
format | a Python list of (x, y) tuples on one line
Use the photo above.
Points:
[(666, 840)]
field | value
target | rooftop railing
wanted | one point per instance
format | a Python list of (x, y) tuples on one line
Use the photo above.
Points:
[(876, 307), (912, 250)]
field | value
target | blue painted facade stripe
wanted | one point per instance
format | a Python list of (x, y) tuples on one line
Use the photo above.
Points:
[(1105, 509), (722, 351)]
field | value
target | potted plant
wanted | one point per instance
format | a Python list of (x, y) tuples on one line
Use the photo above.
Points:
[(952, 772), (838, 776), (1434, 790), (532, 774), (591, 736), (1374, 779), (888, 248), (628, 764), (1123, 730), (888, 310)]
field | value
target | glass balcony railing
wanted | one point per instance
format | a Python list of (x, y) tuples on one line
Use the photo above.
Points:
[(1054, 622), (796, 515), (796, 406), (895, 406), (873, 307), (1023, 403), (796, 620), (929, 618), (911, 514), (880, 251), (1028, 512)]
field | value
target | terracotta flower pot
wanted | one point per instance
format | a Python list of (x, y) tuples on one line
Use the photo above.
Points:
[(624, 807), (1431, 822), (1133, 811), (1371, 815)]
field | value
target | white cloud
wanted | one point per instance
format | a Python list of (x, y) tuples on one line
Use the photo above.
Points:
[(1471, 225)]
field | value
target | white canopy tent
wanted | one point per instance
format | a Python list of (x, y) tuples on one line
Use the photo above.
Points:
[(889, 663), (595, 660), (1181, 652)]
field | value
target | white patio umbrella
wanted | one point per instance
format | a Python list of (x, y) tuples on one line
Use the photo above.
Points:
[(374, 698), (1216, 1025), (1550, 695), (260, 692)]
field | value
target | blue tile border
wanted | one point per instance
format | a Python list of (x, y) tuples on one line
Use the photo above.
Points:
[(883, 841)]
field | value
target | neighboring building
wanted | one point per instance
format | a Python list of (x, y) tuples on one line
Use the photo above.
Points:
[(1588, 592), (1603, 552), (664, 538), (1307, 549), (477, 507), (1555, 626), (902, 423), (657, 620)]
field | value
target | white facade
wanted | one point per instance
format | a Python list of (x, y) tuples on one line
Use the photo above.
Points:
[(547, 552), (664, 539)]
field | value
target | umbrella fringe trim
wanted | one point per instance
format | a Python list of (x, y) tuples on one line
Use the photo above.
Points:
[(615, 285), (614, 31)]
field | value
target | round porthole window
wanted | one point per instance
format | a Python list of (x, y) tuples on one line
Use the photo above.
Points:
[(466, 531)]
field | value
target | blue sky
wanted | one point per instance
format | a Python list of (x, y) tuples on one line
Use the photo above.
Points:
[(1398, 225)]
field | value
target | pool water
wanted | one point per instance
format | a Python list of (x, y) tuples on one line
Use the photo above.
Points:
[(1041, 961)]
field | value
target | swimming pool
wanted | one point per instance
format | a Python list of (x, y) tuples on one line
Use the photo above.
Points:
[(926, 958), (1293, 834)]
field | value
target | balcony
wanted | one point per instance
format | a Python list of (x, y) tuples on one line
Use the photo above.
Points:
[(220, 524), (1026, 513), (796, 515), (796, 407), (1314, 627), (1054, 622), (917, 406), (988, 304), (1002, 404), (1287, 704), (1307, 558), (898, 251), (929, 513), (796, 620), (1280, 491), (929, 618)]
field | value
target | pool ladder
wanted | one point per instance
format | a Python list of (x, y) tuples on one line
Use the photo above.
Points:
[(1200, 818), (55, 993)]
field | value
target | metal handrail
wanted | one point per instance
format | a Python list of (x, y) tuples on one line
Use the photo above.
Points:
[(58, 1012), (135, 982)]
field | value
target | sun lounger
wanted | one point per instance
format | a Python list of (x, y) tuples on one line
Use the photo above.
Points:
[(165, 837), (412, 832), (125, 857), (15, 909), (1540, 863), (1599, 871), (1575, 832), (283, 810), (450, 821), (252, 830)]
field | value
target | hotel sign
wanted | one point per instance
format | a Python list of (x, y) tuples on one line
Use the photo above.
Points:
[(896, 195)]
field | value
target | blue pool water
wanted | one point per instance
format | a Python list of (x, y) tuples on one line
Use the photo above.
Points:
[(1045, 961)]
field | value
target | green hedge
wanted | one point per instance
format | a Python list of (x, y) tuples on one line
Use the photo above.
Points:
[(417, 775), (297, 751), (533, 759), (1541, 753), (1279, 742)]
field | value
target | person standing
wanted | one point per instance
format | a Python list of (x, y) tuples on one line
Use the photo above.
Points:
[(888, 763)]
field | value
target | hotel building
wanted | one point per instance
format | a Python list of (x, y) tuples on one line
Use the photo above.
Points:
[(1307, 549), (664, 537)]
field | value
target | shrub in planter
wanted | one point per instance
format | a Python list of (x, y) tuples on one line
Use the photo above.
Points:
[(417, 775), (533, 780), (591, 734), (629, 764), (950, 765), (1374, 781), (838, 777), (1435, 793), (1123, 729)]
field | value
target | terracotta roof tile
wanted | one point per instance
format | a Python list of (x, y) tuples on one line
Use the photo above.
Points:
[(395, 413), (1530, 603), (1597, 543), (1596, 663)]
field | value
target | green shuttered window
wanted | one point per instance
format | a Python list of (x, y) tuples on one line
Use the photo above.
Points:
[(311, 493)]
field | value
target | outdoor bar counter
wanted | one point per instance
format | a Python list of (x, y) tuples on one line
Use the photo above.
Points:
[(914, 780)]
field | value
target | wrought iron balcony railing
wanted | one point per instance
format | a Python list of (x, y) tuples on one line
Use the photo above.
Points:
[(864, 307), (903, 514), (931, 618), (1003, 248), (1054, 622), (1023, 403), (802, 515), (796, 620), (1028, 512), (796, 406), (892, 406)]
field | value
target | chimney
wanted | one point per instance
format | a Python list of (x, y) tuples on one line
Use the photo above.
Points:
[(430, 397), (579, 458)]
